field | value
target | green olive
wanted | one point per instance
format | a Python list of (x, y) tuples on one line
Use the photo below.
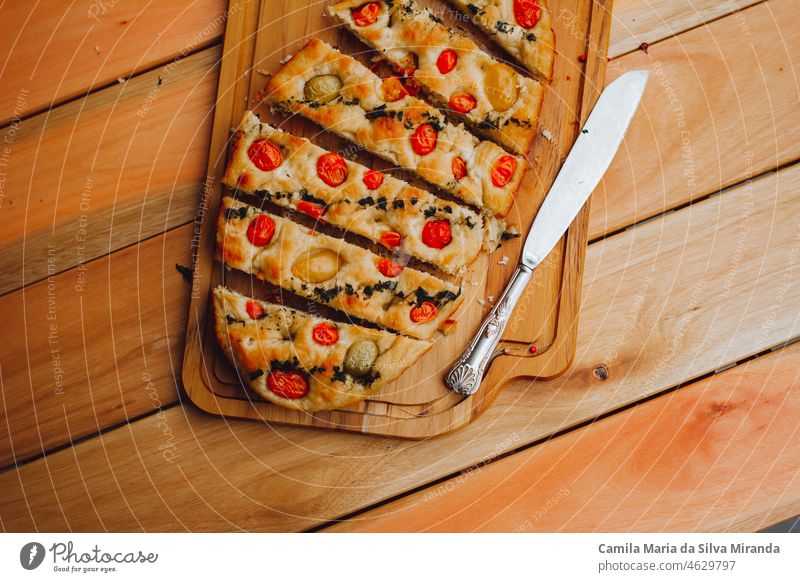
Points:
[(501, 86), (322, 88), (317, 265), (360, 357)]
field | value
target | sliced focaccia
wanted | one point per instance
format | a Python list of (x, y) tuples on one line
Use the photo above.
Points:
[(332, 271), (344, 96), (297, 360), (522, 27), (489, 95), (295, 173)]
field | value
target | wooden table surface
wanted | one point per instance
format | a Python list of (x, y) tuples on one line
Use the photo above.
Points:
[(680, 411)]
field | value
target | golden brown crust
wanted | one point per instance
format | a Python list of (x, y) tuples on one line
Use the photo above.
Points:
[(405, 33), (356, 286), (534, 48), (393, 206), (361, 115), (282, 339)]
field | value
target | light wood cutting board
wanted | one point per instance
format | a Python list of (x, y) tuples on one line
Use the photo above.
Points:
[(417, 405)]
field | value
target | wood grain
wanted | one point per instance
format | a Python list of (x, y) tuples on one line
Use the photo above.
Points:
[(638, 21), (720, 107), (104, 172), (54, 51), (704, 277), (93, 346), (718, 455)]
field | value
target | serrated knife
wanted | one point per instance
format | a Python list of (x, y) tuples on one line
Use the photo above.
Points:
[(588, 160)]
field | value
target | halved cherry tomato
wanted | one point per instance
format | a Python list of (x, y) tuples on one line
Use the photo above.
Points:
[(391, 239), (423, 140), (462, 103), (446, 61), (260, 230), (527, 13), (366, 14), (437, 234), (325, 334), (424, 313), (373, 179), (332, 169), (503, 171), (459, 167), (312, 209), (264, 154), (389, 268), (254, 309), (392, 89), (288, 384)]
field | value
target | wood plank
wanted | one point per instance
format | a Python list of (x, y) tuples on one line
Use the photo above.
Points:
[(638, 21), (93, 346), (638, 312), (55, 51), (719, 455), (103, 172), (707, 120)]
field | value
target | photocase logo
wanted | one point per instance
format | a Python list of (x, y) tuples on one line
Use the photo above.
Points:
[(31, 555)]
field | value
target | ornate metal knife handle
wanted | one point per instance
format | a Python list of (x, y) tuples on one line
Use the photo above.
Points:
[(466, 375)]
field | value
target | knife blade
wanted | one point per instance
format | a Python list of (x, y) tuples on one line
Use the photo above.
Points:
[(585, 165)]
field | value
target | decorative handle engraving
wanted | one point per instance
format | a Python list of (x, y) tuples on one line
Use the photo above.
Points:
[(465, 377)]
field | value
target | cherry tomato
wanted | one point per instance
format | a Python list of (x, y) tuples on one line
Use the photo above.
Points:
[(391, 239), (423, 140), (254, 309), (503, 171), (447, 61), (325, 334), (389, 268), (332, 169), (424, 313), (261, 229), (459, 167), (265, 155), (312, 209), (462, 103), (436, 234), (366, 14), (288, 384), (527, 13), (373, 179), (393, 89)]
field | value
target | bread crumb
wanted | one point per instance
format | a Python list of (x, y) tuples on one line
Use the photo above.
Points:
[(120, 80), (285, 59), (481, 301), (547, 134), (490, 298), (97, 48), (503, 261), (263, 72)]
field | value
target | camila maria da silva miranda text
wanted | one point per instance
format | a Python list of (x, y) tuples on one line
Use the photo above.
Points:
[(687, 548)]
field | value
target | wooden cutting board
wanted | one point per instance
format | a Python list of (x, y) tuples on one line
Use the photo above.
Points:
[(418, 405)]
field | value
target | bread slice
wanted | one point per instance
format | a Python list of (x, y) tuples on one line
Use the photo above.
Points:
[(333, 272), (490, 96), (523, 28), (404, 130), (301, 361), (366, 202)]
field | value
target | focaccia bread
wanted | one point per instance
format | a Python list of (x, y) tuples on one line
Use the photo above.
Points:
[(454, 72), (522, 27), (345, 97), (334, 272), (300, 361), (297, 174)]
